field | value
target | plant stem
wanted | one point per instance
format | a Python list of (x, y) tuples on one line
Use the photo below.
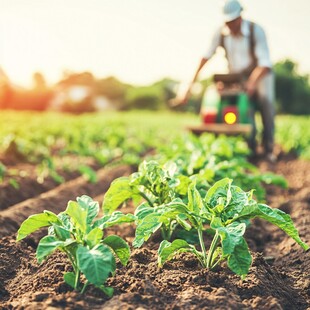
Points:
[(212, 250), (84, 287), (147, 199), (217, 262), (77, 280), (203, 248), (75, 269), (165, 233)]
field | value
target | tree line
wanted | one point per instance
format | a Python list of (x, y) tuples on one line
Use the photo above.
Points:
[(82, 92)]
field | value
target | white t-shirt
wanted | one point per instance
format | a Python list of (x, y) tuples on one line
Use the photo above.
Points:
[(238, 47)]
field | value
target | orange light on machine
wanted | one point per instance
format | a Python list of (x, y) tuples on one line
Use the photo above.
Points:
[(230, 118), (230, 115)]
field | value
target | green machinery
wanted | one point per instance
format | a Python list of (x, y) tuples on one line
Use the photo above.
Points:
[(226, 107)]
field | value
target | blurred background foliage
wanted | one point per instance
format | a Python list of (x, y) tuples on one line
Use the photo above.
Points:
[(83, 92), (292, 89)]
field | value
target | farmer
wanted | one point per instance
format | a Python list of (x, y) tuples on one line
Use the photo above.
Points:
[(247, 53)]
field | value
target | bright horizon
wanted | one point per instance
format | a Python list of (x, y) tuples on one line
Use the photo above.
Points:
[(137, 41)]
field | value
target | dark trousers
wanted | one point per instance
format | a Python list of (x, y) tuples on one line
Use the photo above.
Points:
[(264, 100)]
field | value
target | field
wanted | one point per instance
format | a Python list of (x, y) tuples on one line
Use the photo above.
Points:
[(46, 160)]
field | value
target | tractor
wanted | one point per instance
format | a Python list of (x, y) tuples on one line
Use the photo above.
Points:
[(226, 108)]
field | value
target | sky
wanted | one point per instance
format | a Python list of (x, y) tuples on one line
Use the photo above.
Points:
[(137, 41)]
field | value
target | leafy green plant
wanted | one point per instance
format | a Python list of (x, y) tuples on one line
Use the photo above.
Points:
[(47, 168), (151, 187), (213, 158), (244, 174), (2, 171), (293, 135), (226, 209), (154, 183), (88, 173), (5, 172), (80, 236)]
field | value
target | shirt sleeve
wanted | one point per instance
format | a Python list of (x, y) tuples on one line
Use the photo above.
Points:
[(261, 48), (215, 43)]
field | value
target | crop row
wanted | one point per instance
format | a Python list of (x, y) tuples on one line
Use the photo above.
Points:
[(293, 134), (46, 140), (179, 192)]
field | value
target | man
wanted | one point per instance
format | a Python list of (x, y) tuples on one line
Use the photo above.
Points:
[(247, 53)]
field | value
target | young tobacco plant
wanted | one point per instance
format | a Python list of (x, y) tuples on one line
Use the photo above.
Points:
[(227, 209), (154, 183), (77, 233), (214, 158), (150, 188)]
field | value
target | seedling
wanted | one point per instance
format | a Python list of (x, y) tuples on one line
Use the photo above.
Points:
[(214, 158), (227, 209), (154, 185), (2, 171), (76, 233)]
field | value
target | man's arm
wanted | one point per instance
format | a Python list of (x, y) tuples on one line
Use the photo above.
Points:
[(203, 61), (215, 42), (254, 78), (183, 99)]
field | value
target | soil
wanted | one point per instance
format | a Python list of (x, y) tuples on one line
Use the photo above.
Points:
[(278, 279)]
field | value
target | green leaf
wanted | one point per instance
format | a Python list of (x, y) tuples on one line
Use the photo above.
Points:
[(270, 178), (184, 182), (143, 210), (65, 220), (78, 215), (219, 191), (115, 218), (91, 206), (14, 183), (107, 290), (170, 168), (231, 236), (168, 250), (120, 248), (195, 203), (61, 232), (221, 148), (274, 216), (234, 247), (177, 206), (237, 203), (240, 260), (46, 246), (96, 264), (94, 237), (216, 223), (146, 228), (176, 210), (118, 192), (69, 278), (190, 236), (182, 220), (36, 221), (88, 173)]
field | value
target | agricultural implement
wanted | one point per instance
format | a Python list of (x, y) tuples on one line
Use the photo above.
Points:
[(226, 108)]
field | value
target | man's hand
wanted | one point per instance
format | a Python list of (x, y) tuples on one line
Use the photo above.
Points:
[(179, 101), (183, 99), (250, 88)]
